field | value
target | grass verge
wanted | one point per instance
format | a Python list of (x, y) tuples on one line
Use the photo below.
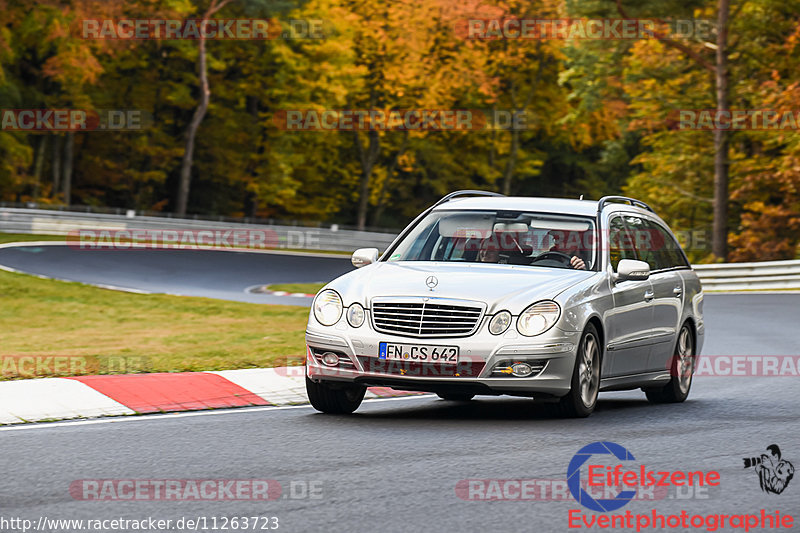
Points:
[(163, 333), (24, 237), (307, 288)]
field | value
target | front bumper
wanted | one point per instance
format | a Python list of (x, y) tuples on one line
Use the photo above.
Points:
[(479, 353)]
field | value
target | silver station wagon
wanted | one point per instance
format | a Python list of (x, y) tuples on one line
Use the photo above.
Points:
[(484, 294)]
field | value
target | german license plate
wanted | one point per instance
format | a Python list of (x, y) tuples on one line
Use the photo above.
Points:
[(418, 352)]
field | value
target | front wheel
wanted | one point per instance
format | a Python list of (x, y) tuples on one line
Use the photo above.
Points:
[(341, 400), (681, 368), (582, 396)]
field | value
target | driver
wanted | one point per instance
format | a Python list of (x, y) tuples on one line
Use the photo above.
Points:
[(490, 251), (569, 243)]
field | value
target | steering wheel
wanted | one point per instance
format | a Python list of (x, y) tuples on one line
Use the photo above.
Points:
[(555, 259)]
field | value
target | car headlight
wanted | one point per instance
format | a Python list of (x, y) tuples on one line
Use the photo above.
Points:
[(499, 322), (328, 307), (355, 315), (538, 318)]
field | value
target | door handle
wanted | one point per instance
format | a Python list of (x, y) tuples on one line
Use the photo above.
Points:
[(677, 291), (649, 295)]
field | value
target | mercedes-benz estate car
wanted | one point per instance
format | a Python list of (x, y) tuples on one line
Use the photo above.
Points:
[(483, 294)]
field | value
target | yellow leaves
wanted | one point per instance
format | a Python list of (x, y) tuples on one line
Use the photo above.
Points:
[(406, 161), (73, 66)]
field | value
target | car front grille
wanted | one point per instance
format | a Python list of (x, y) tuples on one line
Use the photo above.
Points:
[(426, 317)]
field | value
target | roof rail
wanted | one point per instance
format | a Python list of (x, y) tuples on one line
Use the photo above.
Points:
[(456, 194), (632, 201)]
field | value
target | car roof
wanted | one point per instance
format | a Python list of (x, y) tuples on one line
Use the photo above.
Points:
[(562, 206)]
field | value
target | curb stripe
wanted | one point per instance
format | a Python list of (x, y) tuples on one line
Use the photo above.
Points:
[(45, 399), (278, 388), (155, 393), (32, 400)]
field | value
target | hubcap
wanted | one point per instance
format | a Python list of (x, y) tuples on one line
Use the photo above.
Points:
[(589, 371), (685, 361)]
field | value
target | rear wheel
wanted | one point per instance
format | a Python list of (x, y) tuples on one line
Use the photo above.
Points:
[(455, 397), (582, 397), (340, 400), (681, 369)]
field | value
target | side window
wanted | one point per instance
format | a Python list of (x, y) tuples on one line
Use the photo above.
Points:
[(620, 242), (665, 248), (643, 240)]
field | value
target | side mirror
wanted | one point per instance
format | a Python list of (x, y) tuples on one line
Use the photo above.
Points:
[(364, 256), (632, 270)]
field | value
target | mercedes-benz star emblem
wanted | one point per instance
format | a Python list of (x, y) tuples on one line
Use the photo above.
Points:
[(431, 282)]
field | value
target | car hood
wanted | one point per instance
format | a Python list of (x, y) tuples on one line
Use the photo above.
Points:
[(509, 287)]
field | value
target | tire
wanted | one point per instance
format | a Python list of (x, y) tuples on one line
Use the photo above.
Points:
[(336, 401), (585, 385), (681, 369), (455, 397)]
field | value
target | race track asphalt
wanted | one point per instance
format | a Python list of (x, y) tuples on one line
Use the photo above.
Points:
[(213, 274), (395, 464)]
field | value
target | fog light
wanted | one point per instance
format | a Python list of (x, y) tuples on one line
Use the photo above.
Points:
[(518, 369), (330, 359), (521, 370)]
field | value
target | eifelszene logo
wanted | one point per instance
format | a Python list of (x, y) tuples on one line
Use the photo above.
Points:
[(574, 476), (774, 473), (609, 478)]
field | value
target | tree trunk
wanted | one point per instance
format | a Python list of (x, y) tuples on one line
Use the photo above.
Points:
[(512, 162), (376, 217), (200, 112), (368, 159), (518, 109), (721, 139), (191, 133), (37, 166), (68, 152), (251, 196), (719, 233), (56, 166)]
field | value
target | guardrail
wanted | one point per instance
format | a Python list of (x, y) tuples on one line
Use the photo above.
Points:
[(765, 275), (49, 222)]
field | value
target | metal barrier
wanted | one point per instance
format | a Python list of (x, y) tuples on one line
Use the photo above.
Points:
[(766, 275), (49, 222), (716, 277)]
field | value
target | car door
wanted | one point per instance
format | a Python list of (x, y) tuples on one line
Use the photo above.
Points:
[(660, 249), (629, 323)]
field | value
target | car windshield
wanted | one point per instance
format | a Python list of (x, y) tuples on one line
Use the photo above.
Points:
[(500, 237)]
